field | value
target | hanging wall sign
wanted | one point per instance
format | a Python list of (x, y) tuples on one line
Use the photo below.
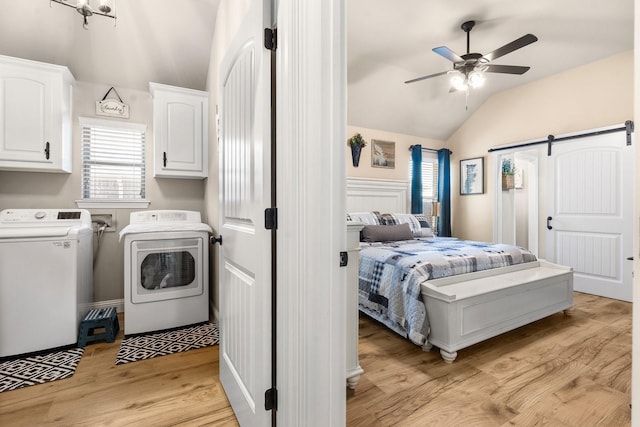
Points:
[(112, 107)]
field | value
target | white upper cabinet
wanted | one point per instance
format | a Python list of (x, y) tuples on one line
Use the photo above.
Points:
[(180, 129), (35, 116)]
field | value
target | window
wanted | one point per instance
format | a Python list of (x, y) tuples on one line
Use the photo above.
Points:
[(429, 180), (113, 165)]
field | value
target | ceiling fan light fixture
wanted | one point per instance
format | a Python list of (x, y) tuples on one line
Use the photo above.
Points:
[(458, 80), (476, 79)]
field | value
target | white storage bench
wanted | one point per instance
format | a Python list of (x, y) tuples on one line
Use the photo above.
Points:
[(464, 310)]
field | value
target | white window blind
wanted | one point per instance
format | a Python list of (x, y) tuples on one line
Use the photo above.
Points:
[(429, 180), (113, 166)]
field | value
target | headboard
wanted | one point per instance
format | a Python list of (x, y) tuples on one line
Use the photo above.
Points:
[(384, 195)]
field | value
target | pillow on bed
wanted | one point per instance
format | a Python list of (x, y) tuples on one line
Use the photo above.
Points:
[(417, 222), (386, 233), (372, 218), (425, 227)]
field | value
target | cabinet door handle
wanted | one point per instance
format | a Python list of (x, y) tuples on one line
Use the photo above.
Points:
[(46, 150), (164, 158), (549, 227)]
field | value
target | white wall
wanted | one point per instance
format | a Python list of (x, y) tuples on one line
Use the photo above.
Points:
[(52, 190), (587, 97)]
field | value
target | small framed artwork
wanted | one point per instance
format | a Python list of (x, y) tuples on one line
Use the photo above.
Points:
[(472, 176), (383, 154)]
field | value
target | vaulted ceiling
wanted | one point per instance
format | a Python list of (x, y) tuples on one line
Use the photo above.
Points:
[(164, 41), (388, 42)]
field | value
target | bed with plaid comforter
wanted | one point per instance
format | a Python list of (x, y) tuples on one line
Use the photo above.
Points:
[(390, 275)]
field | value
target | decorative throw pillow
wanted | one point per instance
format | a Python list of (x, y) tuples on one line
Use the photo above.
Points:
[(425, 227), (419, 225), (386, 233)]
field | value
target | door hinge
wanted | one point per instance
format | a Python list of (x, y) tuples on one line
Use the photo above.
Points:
[(344, 259), (271, 218), (271, 38), (271, 399)]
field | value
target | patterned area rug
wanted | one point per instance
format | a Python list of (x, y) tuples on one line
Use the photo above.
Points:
[(157, 344), (39, 369)]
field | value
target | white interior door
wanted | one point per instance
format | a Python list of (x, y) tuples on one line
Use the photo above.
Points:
[(590, 205), (245, 192)]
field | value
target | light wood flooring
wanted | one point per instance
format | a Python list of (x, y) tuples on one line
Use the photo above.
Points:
[(181, 389), (559, 371)]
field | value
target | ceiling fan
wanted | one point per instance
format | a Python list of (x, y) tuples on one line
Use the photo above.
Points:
[(468, 69)]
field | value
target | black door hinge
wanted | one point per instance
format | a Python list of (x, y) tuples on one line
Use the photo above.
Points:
[(271, 218), (344, 259), (271, 38), (271, 399)]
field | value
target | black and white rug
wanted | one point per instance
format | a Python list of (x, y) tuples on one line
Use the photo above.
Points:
[(39, 369), (157, 344)]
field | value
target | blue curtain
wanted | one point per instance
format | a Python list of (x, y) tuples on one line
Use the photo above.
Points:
[(416, 179), (444, 192)]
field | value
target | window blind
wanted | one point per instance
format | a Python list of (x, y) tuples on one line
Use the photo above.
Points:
[(113, 166)]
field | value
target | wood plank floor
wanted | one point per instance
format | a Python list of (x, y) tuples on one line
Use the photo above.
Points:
[(559, 371), (181, 389)]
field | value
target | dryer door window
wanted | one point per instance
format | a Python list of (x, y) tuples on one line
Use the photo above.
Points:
[(167, 270)]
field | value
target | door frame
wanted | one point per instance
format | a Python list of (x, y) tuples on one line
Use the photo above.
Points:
[(533, 199), (311, 181)]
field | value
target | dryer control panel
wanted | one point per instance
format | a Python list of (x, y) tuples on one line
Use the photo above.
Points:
[(145, 217)]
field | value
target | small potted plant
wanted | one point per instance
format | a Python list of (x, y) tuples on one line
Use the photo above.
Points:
[(356, 142), (508, 174)]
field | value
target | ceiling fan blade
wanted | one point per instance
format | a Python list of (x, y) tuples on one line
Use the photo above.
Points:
[(505, 69), (510, 47), (448, 53), (427, 77)]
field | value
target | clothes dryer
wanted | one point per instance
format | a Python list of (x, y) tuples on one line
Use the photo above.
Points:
[(166, 270)]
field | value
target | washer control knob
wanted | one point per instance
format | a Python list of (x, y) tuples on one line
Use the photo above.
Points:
[(40, 214)]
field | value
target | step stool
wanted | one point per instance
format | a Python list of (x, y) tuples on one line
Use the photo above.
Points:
[(106, 318)]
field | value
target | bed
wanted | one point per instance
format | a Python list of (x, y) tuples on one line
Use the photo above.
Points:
[(445, 292)]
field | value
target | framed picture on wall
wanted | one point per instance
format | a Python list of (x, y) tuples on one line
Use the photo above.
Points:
[(472, 176), (383, 154)]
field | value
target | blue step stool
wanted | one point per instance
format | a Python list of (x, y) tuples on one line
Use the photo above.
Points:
[(106, 318)]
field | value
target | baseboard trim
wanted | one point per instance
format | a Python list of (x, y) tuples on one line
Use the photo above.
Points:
[(117, 303)]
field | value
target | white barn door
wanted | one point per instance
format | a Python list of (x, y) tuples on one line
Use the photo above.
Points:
[(590, 212), (245, 193)]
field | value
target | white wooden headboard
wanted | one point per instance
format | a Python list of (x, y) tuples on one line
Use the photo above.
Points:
[(383, 195)]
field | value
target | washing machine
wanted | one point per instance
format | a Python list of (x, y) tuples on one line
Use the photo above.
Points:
[(166, 270), (46, 278)]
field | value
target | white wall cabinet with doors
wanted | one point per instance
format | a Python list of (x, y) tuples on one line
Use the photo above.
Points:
[(35, 116), (180, 129)]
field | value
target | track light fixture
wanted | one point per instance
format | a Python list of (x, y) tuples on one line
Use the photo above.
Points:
[(84, 8)]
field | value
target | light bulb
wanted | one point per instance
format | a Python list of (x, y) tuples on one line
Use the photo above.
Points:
[(104, 7), (476, 79), (457, 80)]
